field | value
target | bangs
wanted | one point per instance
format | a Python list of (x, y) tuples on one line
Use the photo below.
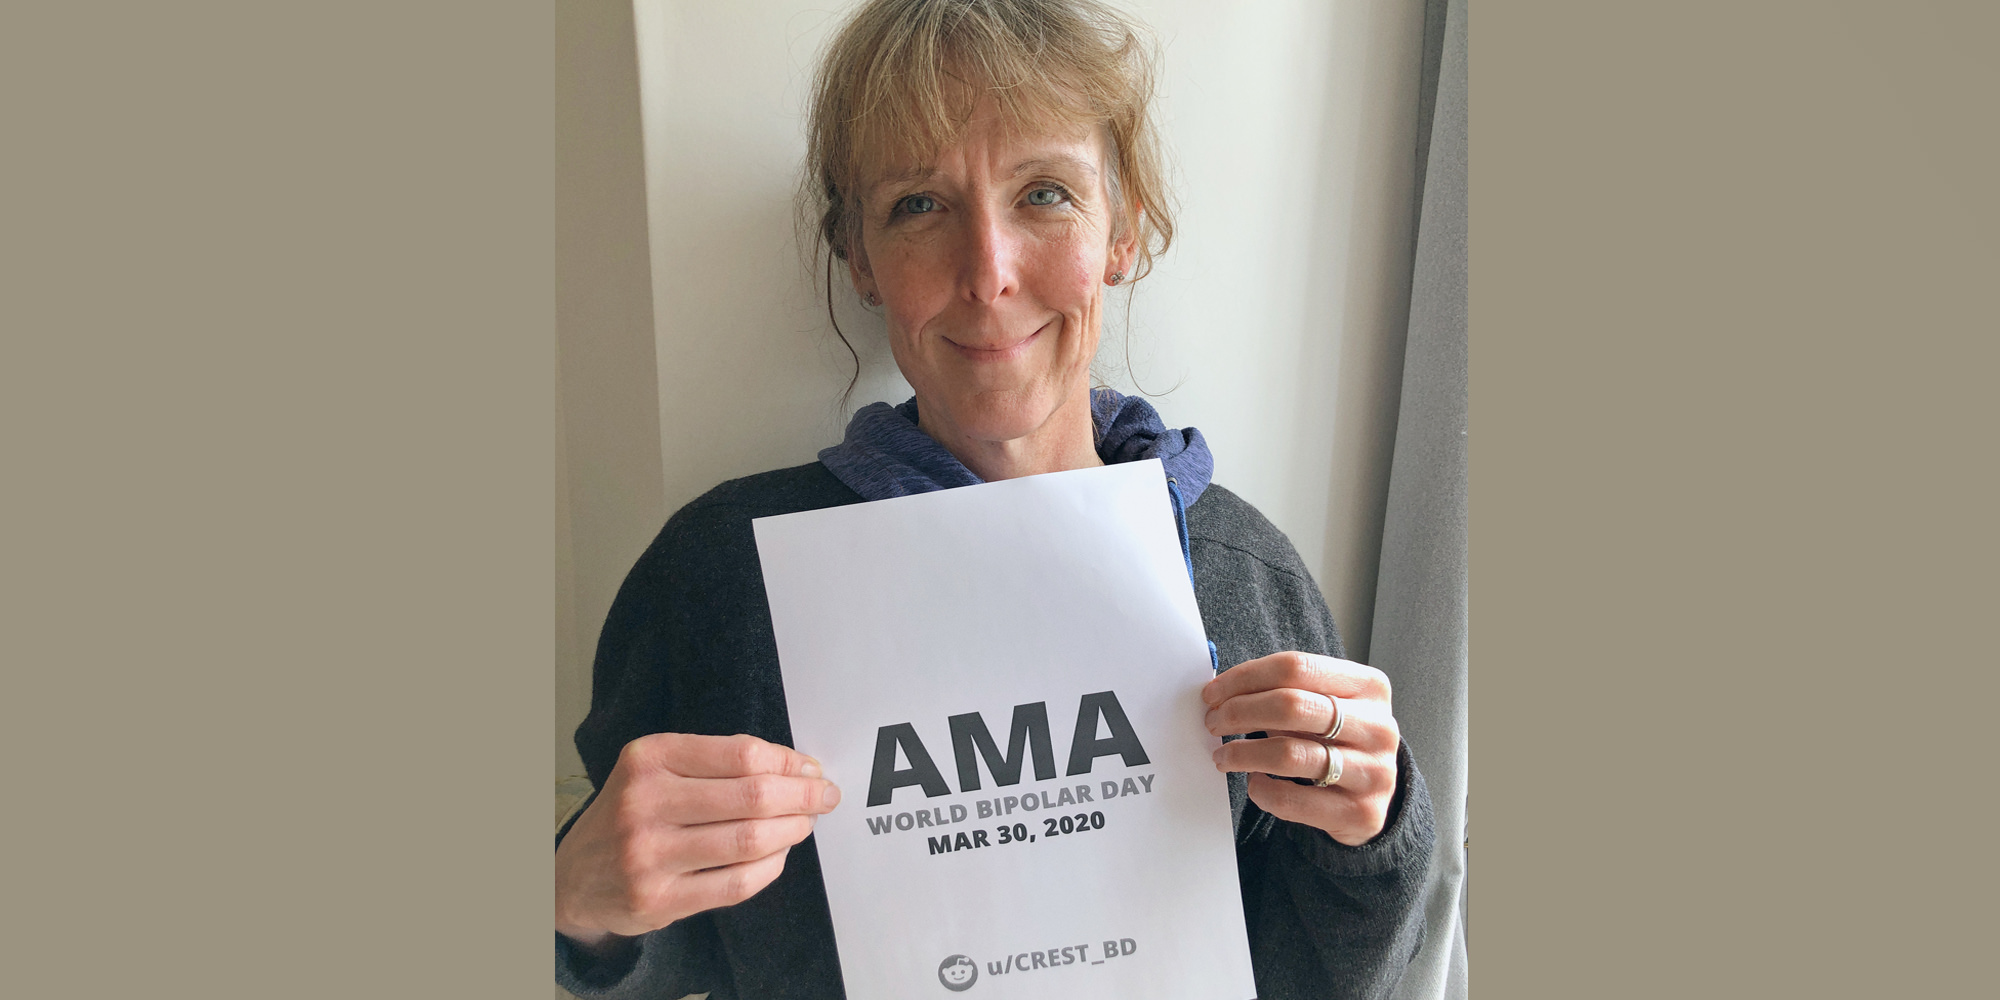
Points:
[(919, 92)]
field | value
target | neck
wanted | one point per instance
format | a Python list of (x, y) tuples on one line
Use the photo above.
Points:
[(1064, 441)]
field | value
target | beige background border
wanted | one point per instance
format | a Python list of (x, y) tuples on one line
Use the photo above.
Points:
[(278, 383), (279, 393), (1732, 282)]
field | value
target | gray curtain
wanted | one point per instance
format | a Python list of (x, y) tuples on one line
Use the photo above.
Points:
[(1420, 595)]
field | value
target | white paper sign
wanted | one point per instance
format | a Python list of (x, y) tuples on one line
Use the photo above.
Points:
[(1004, 682)]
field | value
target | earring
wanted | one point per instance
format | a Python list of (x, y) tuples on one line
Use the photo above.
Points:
[(1117, 276), (871, 299)]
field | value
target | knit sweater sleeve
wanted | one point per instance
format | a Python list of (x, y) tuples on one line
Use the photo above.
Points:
[(688, 648), (1324, 919), (632, 679)]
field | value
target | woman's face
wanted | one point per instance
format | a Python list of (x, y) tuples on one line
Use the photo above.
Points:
[(991, 270)]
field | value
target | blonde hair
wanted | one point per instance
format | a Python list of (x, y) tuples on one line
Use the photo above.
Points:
[(900, 78)]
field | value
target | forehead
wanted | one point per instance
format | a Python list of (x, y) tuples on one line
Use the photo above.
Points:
[(1008, 149)]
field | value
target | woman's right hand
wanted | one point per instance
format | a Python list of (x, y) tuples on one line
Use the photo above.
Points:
[(683, 824)]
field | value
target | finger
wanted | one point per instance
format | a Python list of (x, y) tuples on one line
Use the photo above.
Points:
[(1367, 725), (1259, 711), (1306, 671), (730, 884), (1285, 756), (697, 756), (1349, 818), (1291, 757), (691, 801), (1298, 803), (714, 845)]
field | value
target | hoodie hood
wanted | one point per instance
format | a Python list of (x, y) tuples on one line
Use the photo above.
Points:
[(885, 455)]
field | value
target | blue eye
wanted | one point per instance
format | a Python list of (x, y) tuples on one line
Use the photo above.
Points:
[(917, 204), (1044, 197)]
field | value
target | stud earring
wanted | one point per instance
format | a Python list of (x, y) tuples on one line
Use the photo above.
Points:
[(1117, 276), (871, 299)]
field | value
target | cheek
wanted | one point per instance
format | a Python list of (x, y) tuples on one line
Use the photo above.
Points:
[(912, 294), (1074, 275), (1088, 257)]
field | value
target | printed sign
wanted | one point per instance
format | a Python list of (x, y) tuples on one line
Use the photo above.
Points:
[(1005, 682)]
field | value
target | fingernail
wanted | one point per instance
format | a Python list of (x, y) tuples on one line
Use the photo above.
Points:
[(810, 768), (1208, 720), (1208, 693), (830, 797)]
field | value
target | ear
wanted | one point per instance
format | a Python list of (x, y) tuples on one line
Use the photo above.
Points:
[(1125, 249), (858, 273)]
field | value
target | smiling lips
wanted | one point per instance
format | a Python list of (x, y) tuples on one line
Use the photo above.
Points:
[(988, 354)]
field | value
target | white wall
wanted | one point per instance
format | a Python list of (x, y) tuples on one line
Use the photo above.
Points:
[(1276, 320), (750, 371), (1280, 312)]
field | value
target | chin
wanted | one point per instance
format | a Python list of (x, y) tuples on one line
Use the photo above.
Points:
[(1002, 415)]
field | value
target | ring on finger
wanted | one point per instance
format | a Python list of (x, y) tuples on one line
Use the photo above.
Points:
[(1336, 762), (1339, 719)]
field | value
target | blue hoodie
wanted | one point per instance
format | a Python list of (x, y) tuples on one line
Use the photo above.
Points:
[(885, 455)]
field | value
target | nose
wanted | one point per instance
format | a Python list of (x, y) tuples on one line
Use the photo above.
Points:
[(992, 258)]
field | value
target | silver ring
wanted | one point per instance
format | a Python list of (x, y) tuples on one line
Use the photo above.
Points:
[(1339, 719), (1336, 762)]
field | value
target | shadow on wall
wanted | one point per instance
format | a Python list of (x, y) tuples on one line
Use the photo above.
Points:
[(1377, 197), (751, 375)]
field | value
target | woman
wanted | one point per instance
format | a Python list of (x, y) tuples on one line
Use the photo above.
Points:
[(985, 169)]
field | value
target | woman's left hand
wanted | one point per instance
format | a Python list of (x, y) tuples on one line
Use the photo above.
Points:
[(1290, 696)]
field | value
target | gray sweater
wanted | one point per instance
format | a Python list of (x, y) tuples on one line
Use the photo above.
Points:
[(688, 648)]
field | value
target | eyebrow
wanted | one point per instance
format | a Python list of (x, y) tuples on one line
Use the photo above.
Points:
[(1037, 165), (1045, 165)]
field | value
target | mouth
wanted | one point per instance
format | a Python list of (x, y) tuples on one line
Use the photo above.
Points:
[(1007, 352)]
